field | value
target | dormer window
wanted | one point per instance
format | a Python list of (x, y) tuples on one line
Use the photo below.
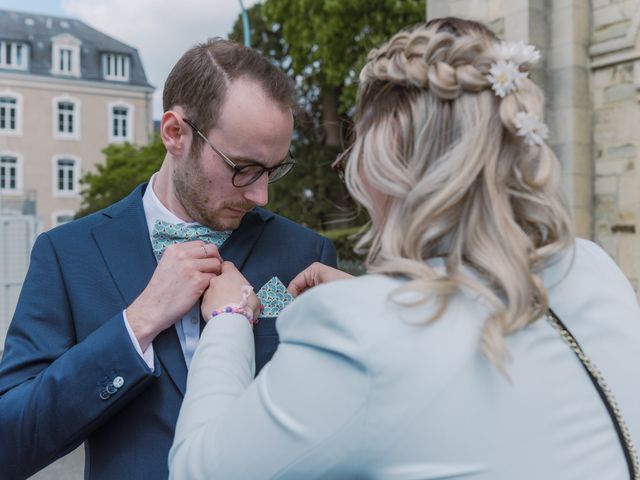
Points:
[(115, 66), (14, 55), (65, 55)]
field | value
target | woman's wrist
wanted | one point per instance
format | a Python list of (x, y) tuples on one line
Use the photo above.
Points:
[(242, 308), (246, 311)]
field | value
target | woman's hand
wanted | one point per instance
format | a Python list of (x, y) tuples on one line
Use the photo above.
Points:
[(226, 289), (313, 275)]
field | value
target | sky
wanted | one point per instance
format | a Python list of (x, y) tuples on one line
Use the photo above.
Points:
[(161, 30)]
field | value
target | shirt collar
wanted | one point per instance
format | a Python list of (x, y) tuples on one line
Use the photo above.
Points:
[(154, 209)]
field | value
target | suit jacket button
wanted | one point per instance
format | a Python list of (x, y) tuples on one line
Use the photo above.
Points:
[(111, 389), (118, 382), (104, 394)]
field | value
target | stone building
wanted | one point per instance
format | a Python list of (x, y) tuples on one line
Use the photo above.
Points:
[(66, 92), (591, 75)]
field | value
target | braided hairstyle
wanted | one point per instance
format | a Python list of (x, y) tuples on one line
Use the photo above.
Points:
[(458, 182)]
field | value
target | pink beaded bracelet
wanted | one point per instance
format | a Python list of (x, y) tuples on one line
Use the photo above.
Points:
[(235, 309), (242, 308)]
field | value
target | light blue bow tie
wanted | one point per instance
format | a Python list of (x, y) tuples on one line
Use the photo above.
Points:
[(164, 234)]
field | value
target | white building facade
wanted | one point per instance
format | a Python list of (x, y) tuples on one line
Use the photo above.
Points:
[(66, 92)]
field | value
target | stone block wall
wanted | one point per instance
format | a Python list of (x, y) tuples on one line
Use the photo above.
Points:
[(615, 81)]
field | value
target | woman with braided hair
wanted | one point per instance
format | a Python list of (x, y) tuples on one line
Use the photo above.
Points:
[(485, 340)]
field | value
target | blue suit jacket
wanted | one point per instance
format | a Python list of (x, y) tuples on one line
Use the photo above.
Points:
[(67, 342)]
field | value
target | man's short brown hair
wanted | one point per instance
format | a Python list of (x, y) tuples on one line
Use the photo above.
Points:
[(199, 81)]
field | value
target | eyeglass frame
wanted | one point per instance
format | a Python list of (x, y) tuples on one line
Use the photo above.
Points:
[(289, 160)]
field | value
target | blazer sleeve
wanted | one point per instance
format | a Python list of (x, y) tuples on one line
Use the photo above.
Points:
[(328, 254), (55, 390), (302, 415)]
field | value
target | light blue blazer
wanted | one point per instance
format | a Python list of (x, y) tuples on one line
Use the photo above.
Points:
[(361, 388)]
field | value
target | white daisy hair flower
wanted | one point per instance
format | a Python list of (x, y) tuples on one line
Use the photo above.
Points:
[(531, 128), (505, 74), (505, 77), (517, 52)]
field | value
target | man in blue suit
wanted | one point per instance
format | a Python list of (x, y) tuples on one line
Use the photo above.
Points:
[(103, 333)]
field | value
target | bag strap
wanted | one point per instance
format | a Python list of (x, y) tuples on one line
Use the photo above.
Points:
[(630, 452)]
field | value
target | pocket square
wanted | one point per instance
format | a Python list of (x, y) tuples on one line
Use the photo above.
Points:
[(274, 297)]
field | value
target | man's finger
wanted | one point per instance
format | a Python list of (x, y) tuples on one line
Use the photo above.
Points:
[(208, 265), (227, 267), (198, 248)]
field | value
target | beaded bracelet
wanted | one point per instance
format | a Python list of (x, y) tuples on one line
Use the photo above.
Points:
[(242, 308), (246, 311)]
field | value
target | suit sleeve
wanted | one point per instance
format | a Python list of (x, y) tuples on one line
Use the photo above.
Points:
[(54, 390), (300, 418), (328, 254)]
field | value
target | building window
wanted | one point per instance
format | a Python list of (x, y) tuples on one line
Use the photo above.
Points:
[(115, 67), (66, 172), (66, 117), (65, 58), (120, 122), (9, 173), (66, 176), (8, 114), (65, 55), (10, 105), (14, 55)]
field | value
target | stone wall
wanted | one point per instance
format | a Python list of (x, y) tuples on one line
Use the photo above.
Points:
[(615, 80)]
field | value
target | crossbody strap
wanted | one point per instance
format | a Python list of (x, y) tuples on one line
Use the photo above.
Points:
[(630, 452)]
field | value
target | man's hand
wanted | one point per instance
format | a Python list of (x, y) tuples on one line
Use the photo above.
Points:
[(226, 289), (182, 275), (313, 275)]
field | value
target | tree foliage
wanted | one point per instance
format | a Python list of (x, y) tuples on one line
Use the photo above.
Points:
[(125, 167), (328, 41)]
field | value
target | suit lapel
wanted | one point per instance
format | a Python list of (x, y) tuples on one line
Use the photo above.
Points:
[(241, 242), (126, 248)]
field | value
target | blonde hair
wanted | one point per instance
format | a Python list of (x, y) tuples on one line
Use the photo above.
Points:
[(442, 149)]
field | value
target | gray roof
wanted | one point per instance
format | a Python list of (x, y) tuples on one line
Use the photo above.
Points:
[(37, 30)]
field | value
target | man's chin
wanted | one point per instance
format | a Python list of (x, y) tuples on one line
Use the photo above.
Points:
[(227, 218), (231, 224), (228, 222)]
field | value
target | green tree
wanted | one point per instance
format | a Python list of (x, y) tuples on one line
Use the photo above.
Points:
[(328, 40), (125, 167)]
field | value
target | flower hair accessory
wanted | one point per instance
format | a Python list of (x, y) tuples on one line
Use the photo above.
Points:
[(505, 75), (518, 52), (530, 128)]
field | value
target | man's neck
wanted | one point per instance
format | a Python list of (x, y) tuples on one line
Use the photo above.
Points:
[(164, 190)]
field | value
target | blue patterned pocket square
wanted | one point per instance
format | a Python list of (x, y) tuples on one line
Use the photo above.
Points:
[(274, 297)]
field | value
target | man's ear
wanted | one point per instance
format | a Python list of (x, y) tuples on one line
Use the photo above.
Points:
[(175, 133)]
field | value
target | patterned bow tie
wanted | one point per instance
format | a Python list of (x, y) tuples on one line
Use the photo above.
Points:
[(164, 234)]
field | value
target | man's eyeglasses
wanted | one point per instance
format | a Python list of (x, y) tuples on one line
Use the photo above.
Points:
[(247, 174)]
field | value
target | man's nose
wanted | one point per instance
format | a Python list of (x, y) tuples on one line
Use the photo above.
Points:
[(258, 192)]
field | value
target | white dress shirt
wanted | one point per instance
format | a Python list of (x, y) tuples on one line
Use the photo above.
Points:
[(362, 387)]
